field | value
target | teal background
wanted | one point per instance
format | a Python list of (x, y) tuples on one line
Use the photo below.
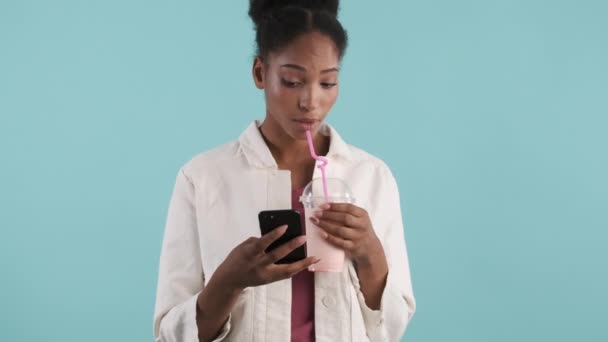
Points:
[(492, 115)]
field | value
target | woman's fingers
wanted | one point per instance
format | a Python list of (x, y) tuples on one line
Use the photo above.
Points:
[(347, 245), (289, 270), (342, 218), (283, 250), (346, 208), (336, 229), (267, 239)]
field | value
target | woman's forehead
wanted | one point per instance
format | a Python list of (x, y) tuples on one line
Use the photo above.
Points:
[(312, 52)]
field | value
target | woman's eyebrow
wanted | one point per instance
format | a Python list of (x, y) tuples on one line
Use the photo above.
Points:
[(301, 68)]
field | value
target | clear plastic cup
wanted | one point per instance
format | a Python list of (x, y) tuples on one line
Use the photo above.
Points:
[(332, 258)]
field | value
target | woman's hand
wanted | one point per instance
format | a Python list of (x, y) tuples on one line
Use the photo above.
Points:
[(248, 265), (349, 227)]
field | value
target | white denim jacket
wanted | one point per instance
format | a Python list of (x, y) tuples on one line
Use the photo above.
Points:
[(214, 207)]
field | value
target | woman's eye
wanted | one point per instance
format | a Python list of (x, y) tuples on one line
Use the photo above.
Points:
[(290, 84), (327, 85)]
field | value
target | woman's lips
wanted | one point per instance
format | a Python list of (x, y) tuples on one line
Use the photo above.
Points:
[(306, 124)]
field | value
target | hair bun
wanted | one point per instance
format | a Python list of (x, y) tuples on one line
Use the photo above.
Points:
[(259, 8)]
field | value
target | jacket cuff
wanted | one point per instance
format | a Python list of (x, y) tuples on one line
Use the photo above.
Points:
[(392, 307), (179, 325), (225, 330), (374, 319)]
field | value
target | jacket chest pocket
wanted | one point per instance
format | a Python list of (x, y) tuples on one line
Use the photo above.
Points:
[(229, 216), (221, 229)]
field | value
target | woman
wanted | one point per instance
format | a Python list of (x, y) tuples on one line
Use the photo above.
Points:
[(215, 281)]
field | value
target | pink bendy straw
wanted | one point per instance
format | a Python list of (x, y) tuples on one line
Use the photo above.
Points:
[(323, 163)]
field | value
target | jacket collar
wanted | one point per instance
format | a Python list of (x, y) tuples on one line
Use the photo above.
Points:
[(253, 146)]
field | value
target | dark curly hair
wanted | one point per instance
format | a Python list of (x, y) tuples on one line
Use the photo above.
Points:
[(278, 22)]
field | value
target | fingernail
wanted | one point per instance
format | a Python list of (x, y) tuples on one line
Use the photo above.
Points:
[(283, 227), (301, 239), (324, 234), (317, 213), (314, 219), (325, 206)]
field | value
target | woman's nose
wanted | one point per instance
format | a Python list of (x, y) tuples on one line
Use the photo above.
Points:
[(309, 99)]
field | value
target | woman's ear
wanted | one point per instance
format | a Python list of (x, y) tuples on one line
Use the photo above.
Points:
[(258, 73)]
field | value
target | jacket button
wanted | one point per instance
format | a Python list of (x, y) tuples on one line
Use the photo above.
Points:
[(329, 301)]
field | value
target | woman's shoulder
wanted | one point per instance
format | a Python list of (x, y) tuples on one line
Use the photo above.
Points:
[(353, 155), (215, 158), (362, 158)]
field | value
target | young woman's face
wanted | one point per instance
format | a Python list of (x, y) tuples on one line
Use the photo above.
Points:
[(300, 83)]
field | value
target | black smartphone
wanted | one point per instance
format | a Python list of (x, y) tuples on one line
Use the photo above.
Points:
[(271, 219)]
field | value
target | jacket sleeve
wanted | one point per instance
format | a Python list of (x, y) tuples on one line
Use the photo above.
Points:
[(181, 277), (397, 305)]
